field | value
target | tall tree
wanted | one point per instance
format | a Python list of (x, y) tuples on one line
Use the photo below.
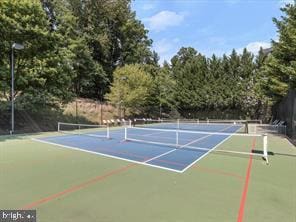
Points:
[(281, 64), (114, 35), (214, 85), (89, 78), (190, 70), (43, 71), (162, 101), (246, 90), (130, 89), (262, 110)]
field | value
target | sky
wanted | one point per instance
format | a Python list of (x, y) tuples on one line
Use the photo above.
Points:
[(209, 26)]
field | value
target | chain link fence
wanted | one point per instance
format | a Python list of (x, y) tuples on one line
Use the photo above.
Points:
[(286, 111)]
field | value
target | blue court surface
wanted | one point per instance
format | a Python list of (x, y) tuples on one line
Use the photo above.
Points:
[(160, 152)]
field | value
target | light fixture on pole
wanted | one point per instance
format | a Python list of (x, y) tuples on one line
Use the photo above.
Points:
[(16, 46)]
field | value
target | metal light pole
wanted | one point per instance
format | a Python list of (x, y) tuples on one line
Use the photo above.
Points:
[(18, 47)]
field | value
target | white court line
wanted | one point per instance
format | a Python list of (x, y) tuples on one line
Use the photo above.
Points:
[(203, 138), (175, 149), (189, 144), (194, 141), (95, 135), (151, 142), (156, 157), (211, 149), (106, 155), (160, 155), (151, 134), (129, 160), (199, 132), (205, 154), (83, 134), (169, 137)]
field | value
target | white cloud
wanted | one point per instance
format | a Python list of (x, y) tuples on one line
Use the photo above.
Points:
[(164, 19), (254, 47)]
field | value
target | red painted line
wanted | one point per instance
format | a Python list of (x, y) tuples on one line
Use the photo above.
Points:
[(77, 187), (216, 171), (246, 186)]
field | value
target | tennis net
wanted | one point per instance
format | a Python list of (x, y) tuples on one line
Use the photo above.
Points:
[(193, 125), (100, 131), (233, 143)]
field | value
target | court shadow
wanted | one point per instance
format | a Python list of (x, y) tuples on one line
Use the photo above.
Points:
[(285, 154), (9, 137), (274, 153), (261, 152), (243, 156), (17, 136)]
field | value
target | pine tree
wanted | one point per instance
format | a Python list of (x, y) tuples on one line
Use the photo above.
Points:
[(280, 69), (190, 72)]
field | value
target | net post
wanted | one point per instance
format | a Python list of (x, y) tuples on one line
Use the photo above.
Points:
[(130, 123), (58, 126), (197, 121), (265, 152), (125, 133), (208, 121)]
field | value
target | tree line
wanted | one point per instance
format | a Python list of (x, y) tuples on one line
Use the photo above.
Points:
[(98, 49), (191, 84)]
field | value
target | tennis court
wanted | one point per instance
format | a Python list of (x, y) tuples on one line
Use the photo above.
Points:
[(154, 172), (157, 145)]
